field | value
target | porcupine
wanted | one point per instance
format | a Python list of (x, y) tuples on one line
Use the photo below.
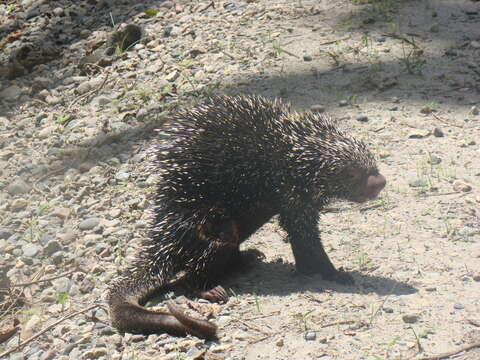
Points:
[(226, 168)]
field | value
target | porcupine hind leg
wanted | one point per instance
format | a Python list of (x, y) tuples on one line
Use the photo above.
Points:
[(220, 257)]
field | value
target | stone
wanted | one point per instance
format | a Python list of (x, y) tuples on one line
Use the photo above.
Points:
[(89, 224), (310, 335), (461, 186), (418, 134), (18, 187), (30, 250), (11, 93), (52, 247), (438, 132), (410, 318), (18, 205), (317, 108)]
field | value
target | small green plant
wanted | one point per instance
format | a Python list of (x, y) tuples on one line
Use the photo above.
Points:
[(303, 319), (257, 304), (62, 299), (151, 12), (62, 120), (413, 60), (364, 263), (417, 340)]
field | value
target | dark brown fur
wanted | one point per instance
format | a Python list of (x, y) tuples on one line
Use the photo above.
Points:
[(226, 168)]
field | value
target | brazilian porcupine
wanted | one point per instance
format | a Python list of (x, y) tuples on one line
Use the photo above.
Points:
[(226, 168)]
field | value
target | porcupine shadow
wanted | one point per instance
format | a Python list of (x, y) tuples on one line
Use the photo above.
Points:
[(262, 277)]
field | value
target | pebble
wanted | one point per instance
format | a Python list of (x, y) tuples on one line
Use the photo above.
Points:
[(95, 353), (30, 250), (438, 132), (62, 285), (317, 108), (310, 335), (434, 159), (89, 224), (122, 175), (388, 309), (418, 183), (18, 187), (418, 134), (343, 103), (458, 306), (18, 204), (410, 319), (52, 247), (460, 186), (58, 11), (307, 58), (10, 93), (474, 110), (362, 118)]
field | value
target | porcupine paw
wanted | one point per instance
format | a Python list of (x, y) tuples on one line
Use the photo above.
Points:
[(217, 294)]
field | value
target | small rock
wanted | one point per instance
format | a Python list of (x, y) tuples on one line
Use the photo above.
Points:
[(410, 319), (18, 205), (426, 110), (18, 187), (62, 285), (475, 44), (85, 33), (362, 118), (280, 343), (388, 310), (219, 348), (476, 278), (30, 250), (10, 93), (310, 335), (46, 132), (30, 327), (418, 134), (431, 289), (307, 58), (58, 11), (172, 76), (61, 212), (434, 159), (461, 186), (317, 108), (89, 224), (451, 52), (474, 110), (458, 306), (52, 247), (122, 175), (438, 132), (343, 103), (94, 354), (53, 100)]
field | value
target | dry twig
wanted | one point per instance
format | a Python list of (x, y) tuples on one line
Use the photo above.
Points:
[(451, 353), (43, 331)]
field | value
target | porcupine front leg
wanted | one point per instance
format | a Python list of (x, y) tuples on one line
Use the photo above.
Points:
[(310, 256)]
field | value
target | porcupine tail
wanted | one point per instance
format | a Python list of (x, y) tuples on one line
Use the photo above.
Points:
[(126, 297)]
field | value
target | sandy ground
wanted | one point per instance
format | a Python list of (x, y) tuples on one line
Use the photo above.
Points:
[(405, 77)]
